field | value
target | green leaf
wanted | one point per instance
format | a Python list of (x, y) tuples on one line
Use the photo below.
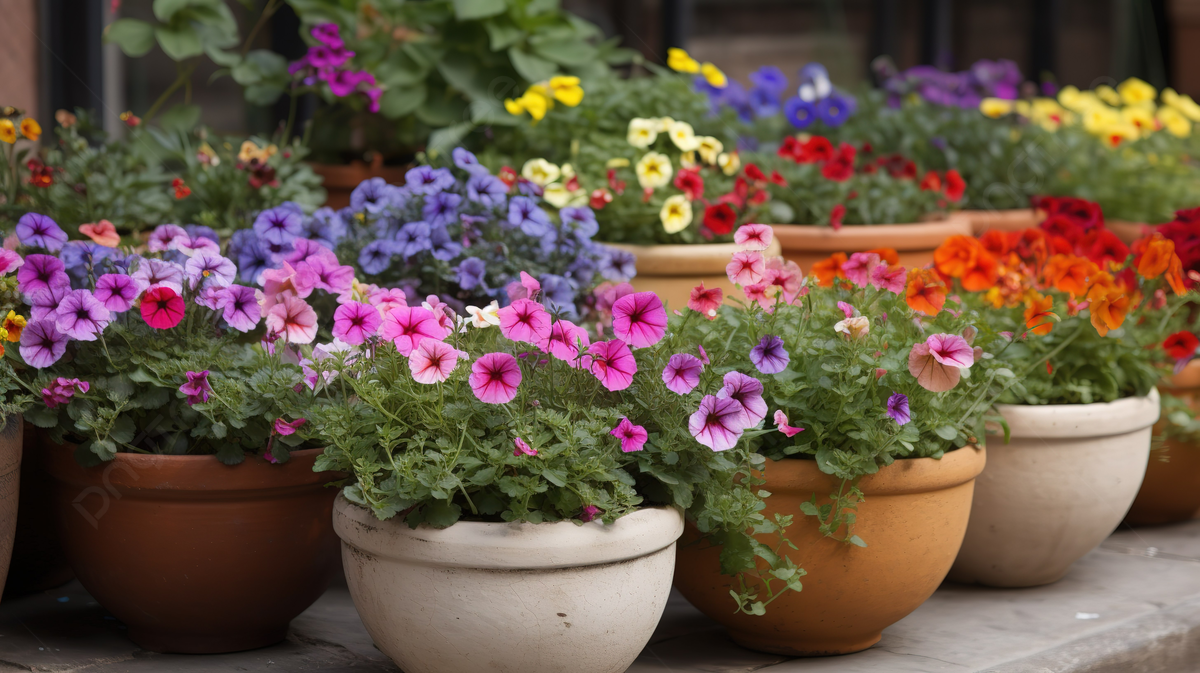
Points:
[(263, 94), (123, 430), (165, 9), (565, 51), (467, 10), (445, 139), (441, 513), (503, 33), (220, 57), (947, 432), (179, 43), (134, 37), (857, 541), (230, 453), (532, 68), (181, 118), (400, 101)]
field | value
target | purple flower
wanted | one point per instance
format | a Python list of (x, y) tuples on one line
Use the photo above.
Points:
[(44, 302), (41, 272), (209, 269), (835, 109), (153, 272), (370, 195), (376, 256), (524, 212), (428, 180), (413, 238), (718, 423), (328, 273), (441, 209), (897, 408), (799, 112), (746, 391), (682, 373), (770, 79), (197, 387), (618, 266), (163, 234), (210, 297), (278, 225), (442, 246), (254, 258), (325, 227), (81, 316), (303, 249), (488, 190), (41, 344), (39, 231), (468, 162), (327, 34), (192, 245), (471, 272), (769, 356), (116, 291), (582, 219), (239, 307)]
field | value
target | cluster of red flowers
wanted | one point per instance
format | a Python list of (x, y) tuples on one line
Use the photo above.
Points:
[(182, 191), (749, 189), (1184, 232), (40, 175)]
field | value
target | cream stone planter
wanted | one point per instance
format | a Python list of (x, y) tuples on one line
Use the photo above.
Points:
[(1015, 219), (1055, 491), (671, 271), (510, 598), (806, 244)]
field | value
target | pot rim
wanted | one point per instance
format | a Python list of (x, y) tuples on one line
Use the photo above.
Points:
[(1189, 377), (688, 260), (850, 238), (1073, 421), (904, 476), (509, 546)]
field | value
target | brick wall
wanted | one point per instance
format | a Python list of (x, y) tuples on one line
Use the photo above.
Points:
[(19, 55)]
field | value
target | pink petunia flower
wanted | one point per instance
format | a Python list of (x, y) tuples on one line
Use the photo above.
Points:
[(441, 312), (210, 297), (432, 361), (786, 275), (682, 373), (931, 371), (703, 353), (523, 448), (524, 320), (197, 388), (754, 236), (589, 512), (847, 309), (116, 291), (285, 428), (639, 319), (495, 378), (951, 350), (387, 299), (293, 319), (746, 268), (781, 424), (354, 322), (633, 437), (326, 273), (81, 316), (239, 307), (9, 261), (893, 279), (612, 362), (762, 294), (858, 267), (718, 423), (286, 280), (407, 327), (62, 390), (705, 301), (161, 237), (746, 391), (566, 341)]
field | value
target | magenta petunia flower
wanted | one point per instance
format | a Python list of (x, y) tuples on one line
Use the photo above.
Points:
[(781, 424), (327, 273), (209, 269), (754, 236), (847, 309), (408, 326), (239, 307), (769, 356), (705, 301), (210, 297), (612, 362), (62, 390), (746, 268), (9, 260), (293, 319), (893, 279), (162, 308), (43, 303), (42, 344), (897, 408), (388, 299), (285, 428), (703, 353), (524, 320), (523, 448), (197, 387), (354, 322), (718, 423), (38, 231), (951, 350), (432, 361), (495, 378), (41, 272), (682, 373), (746, 391), (858, 268), (633, 437), (116, 291), (588, 512), (156, 272), (161, 237), (567, 341), (284, 281), (639, 319), (81, 316)]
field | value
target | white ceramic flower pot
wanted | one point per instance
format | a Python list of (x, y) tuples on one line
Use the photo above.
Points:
[(1055, 491), (510, 598)]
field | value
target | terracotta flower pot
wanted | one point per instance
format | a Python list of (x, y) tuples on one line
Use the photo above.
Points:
[(38, 560), (672, 271), (1129, 231), (10, 480), (195, 556), (1016, 219), (1171, 490), (912, 520), (340, 180), (1056, 490), (509, 598), (806, 244)]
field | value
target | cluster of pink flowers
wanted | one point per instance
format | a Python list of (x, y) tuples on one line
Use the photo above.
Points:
[(326, 62), (763, 281), (868, 268), (62, 390)]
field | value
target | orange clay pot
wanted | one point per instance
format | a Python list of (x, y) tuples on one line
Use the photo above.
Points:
[(1016, 219), (340, 180), (672, 271), (913, 520), (806, 244), (1171, 490), (1129, 232)]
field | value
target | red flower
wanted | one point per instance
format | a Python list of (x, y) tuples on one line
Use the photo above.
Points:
[(955, 185), (738, 196), (791, 149), (508, 176), (1082, 212), (814, 150), (755, 173), (41, 175), (1181, 345), (181, 190), (720, 218), (931, 182), (836, 215), (600, 198), (841, 167), (1061, 225), (614, 184), (1101, 245), (162, 308), (1191, 216), (690, 183), (778, 179), (898, 167)]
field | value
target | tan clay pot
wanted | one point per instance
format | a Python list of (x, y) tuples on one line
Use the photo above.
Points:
[(672, 271), (340, 180), (1129, 232), (195, 556), (806, 244), (1058, 488), (10, 480), (1171, 490), (912, 520), (1016, 219)]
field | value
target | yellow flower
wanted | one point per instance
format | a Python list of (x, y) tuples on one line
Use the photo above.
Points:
[(995, 107), (1115, 134), (642, 132), (714, 76), (568, 171), (729, 162), (1183, 103), (1135, 92), (540, 172), (683, 136), (662, 124), (1174, 122), (679, 61), (30, 128), (1139, 117), (709, 149), (617, 162), (556, 195), (1023, 108), (13, 325), (566, 90), (1098, 118), (1108, 95), (536, 101), (250, 151), (1070, 97), (8, 132), (207, 155), (676, 214), (654, 170), (688, 160)]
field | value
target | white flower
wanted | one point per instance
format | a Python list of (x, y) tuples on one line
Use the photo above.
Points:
[(486, 316), (683, 136), (540, 172), (855, 328), (642, 132)]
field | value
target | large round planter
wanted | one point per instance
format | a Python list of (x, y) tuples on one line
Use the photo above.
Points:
[(10, 480), (340, 180), (195, 556), (38, 560), (671, 271), (1056, 490), (1129, 232), (1016, 219), (1171, 490), (509, 597), (806, 244), (912, 520)]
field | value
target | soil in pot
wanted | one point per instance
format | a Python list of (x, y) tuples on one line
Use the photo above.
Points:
[(1171, 490), (912, 520), (1055, 491), (195, 556), (38, 560), (806, 244), (671, 271), (510, 597)]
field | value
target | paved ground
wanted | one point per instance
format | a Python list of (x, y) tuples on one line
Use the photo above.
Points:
[(1132, 606)]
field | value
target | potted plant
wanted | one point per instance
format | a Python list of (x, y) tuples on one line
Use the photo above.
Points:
[(493, 448), (1078, 429), (879, 383), (155, 398), (12, 399)]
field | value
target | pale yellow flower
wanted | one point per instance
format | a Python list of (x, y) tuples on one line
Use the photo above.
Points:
[(676, 214), (1174, 121), (688, 160), (556, 195), (566, 90), (709, 148), (249, 151), (995, 107), (1108, 94), (654, 170), (540, 172), (568, 171), (662, 124), (1135, 92), (617, 162), (1070, 97), (714, 76), (683, 136), (729, 162), (642, 132), (679, 61), (484, 317)]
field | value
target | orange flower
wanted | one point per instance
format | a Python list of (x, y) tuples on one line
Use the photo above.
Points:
[(998, 243), (103, 233), (925, 292), (1108, 311), (965, 258), (1039, 314), (1155, 255), (1069, 273), (829, 269), (1175, 275), (14, 324), (888, 255), (181, 190)]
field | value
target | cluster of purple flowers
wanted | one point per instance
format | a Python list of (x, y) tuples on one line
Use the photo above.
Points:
[(815, 99), (326, 62), (984, 79)]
